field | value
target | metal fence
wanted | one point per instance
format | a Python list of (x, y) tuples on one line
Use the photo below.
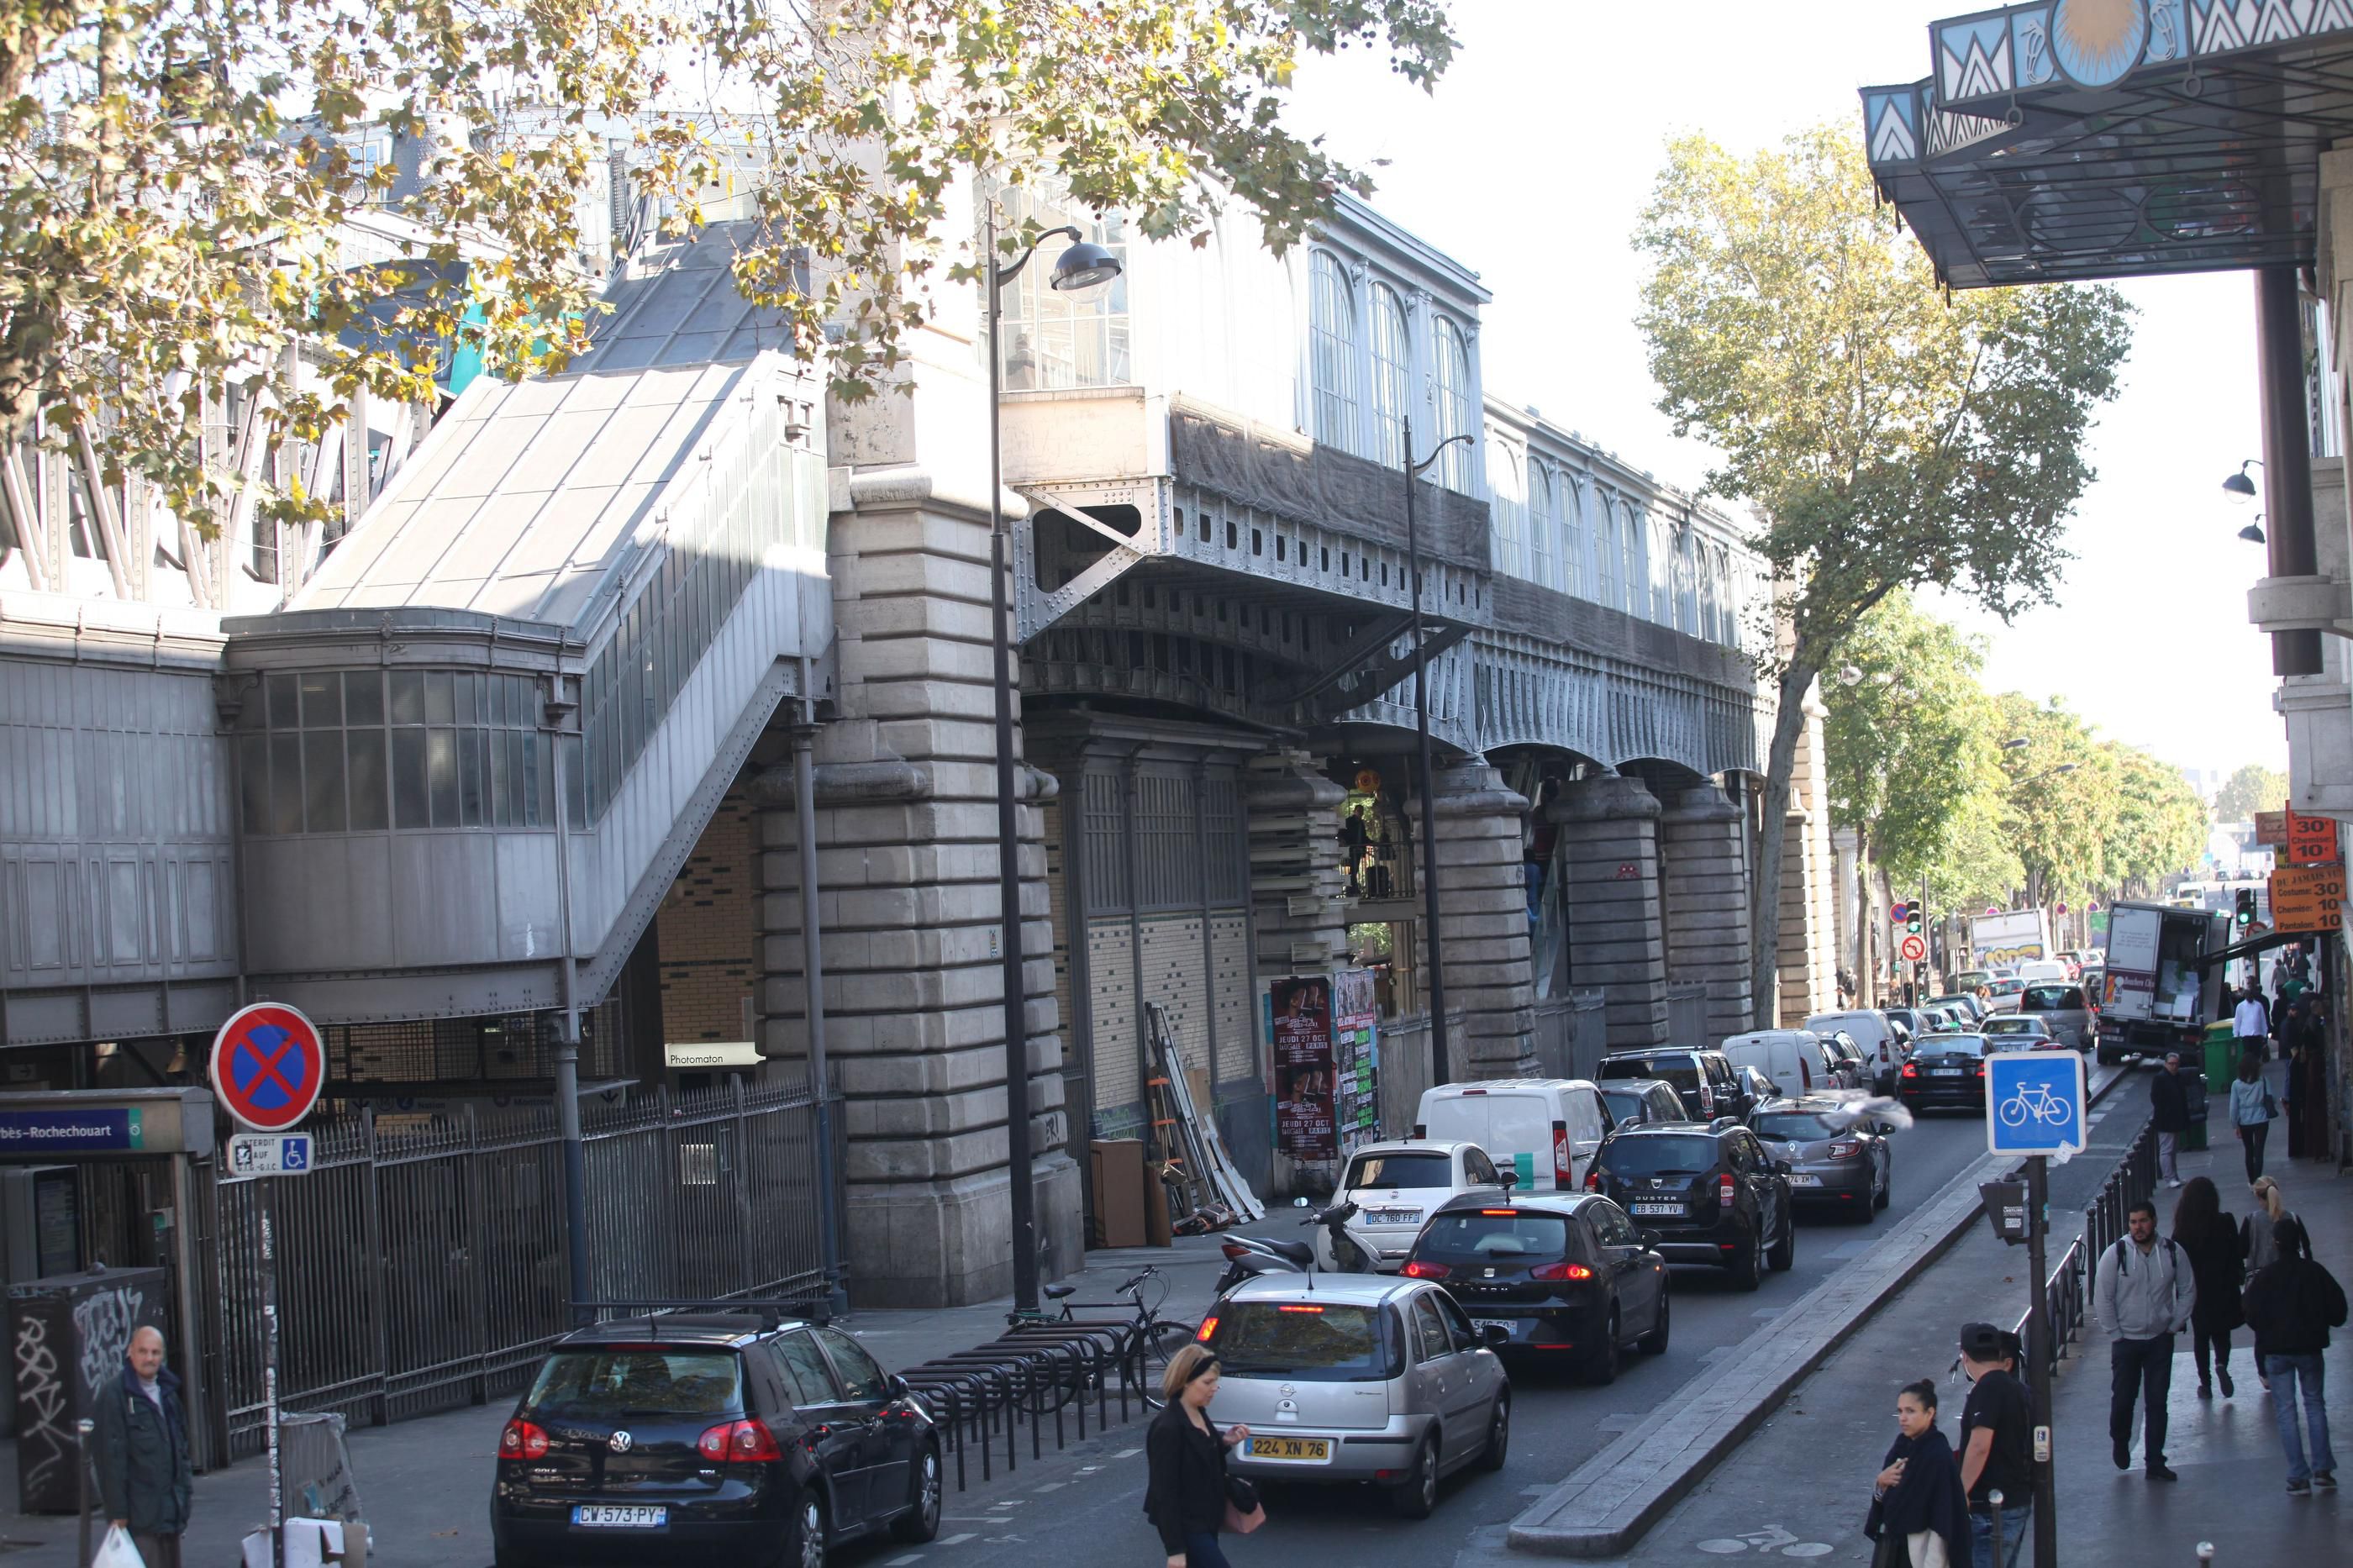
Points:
[(421, 1263), (2070, 1285)]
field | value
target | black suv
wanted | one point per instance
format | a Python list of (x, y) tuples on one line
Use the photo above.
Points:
[(1704, 1080), (726, 1437), (1708, 1190)]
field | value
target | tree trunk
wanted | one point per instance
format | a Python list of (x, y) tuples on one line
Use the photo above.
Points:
[(1765, 911), (1866, 928)]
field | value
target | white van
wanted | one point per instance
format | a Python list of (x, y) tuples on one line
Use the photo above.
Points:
[(1795, 1059), (1875, 1035), (1544, 1128), (2044, 971)]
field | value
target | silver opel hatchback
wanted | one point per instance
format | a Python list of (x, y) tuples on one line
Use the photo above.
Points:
[(1363, 1378)]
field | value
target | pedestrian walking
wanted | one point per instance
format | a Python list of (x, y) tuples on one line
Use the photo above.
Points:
[(2217, 1263), (1997, 1444), (1919, 1509), (2142, 1294), (2251, 1022), (145, 1480), (2293, 1302), (2259, 1232), (2253, 1110), (2168, 1112), (1187, 1492), (2308, 1076)]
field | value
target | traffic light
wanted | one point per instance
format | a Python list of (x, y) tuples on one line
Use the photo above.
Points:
[(1913, 920), (2246, 916)]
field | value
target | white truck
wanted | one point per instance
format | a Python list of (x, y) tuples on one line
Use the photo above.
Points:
[(2153, 991), (2009, 938)]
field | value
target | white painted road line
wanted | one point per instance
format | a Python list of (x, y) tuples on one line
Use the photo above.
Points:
[(902, 1561), (1050, 1486), (1127, 1453), (955, 1540)]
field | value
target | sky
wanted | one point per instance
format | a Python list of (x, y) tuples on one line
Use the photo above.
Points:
[(1530, 164)]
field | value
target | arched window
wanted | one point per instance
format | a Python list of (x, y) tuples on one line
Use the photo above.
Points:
[(1452, 384), (1605, 552), (1736, 599), (1544, 524), (1687, 582), (1333, 359), (1392, 375), (1572, 497), (1711, 597), (1636, 562), (1511, 512)]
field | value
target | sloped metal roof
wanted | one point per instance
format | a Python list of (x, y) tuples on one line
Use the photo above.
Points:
[(677, 303)]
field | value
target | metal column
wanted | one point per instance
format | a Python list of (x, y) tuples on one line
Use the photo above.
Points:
[(2287, 452), (813, 987)]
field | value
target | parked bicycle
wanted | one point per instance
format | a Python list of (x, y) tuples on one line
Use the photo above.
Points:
[(1146, 1341)]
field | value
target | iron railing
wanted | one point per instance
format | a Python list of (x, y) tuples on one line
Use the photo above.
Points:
[(2069, 1288), (421, 1263)]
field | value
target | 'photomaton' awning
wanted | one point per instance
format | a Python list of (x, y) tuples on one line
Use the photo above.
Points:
[(2083, 138)]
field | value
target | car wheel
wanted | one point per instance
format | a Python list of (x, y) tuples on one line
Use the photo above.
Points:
[(1784, 1255), (806, 1548), (1601, 1362), (1886, 1186), (921, 1520), (1499, 1434), (1150, 1360), (1416, 1495), (1748, 1265), (1655, 1341)]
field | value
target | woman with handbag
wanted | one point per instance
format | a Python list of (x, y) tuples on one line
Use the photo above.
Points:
[(2252, 1111), (1919, 1511), (1188, 1495)]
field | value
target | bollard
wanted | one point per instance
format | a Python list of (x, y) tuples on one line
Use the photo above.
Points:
[(83, 1429), (2000, 1558)]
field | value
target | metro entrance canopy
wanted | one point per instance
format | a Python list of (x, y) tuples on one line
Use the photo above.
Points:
[(2068, 140)]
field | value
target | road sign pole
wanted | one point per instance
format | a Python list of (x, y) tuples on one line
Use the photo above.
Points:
[(2039, 1356), (265, 1192)]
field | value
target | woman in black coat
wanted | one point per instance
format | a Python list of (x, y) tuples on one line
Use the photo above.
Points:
[(2218, 1261), (1919, 1510), (1185, 1494)]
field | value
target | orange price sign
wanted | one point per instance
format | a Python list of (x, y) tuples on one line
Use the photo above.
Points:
[(2307, 897), (2311, 840)]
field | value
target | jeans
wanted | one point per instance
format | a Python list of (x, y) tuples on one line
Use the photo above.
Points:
[(2142, 1368), (2165, 1167), (2017, 1529), (1202, 1551), (2216, 1340), (2251, 1143), (2288, 1372)]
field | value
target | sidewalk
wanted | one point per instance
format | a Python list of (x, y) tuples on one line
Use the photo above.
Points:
[(1801, 1486), (426, 1484)]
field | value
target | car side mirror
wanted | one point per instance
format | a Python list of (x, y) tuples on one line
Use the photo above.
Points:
[(899, 1388), (1495, 1335), (1781, 1167), (1649, 1238)]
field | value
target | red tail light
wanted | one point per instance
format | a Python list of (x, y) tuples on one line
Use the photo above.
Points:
[(523, 1440), (1564, 1168), (1417, 1269), (1725, 1191), (1209, 1328), (1592, 1178), (1846, 1149), (1910, 1070), (1561, 1271), (1805, 1076), (744, 1442), (1232, 1249)]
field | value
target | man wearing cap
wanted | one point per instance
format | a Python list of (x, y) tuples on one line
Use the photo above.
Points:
[(1997, 1444), (2168, 1112), (2142, 1294)]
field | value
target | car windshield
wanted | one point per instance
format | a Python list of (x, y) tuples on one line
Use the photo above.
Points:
[(1795, 1126), (1678, 1071), (2052, 998), (1956, 1046), (1315, 1342), (1625, 1102), (637, 1380), (1658, 1156), (1422, 1168), (1470, 1232)]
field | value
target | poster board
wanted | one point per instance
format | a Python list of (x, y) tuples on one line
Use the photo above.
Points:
[(1355, 1051), (1306, 1097)]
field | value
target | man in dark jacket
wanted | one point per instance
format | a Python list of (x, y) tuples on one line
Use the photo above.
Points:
[(2168, 1112), (2292, 1304), (145, 1476)]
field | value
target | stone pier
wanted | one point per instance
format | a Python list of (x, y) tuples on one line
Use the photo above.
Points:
[(1483, 903), (1610, 856), (1706, 897)]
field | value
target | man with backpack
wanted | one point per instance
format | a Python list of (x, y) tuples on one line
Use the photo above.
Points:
[(2292, 1303), (2142, 1294)]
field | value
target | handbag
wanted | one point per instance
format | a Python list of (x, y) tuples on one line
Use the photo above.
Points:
[(2271, 1107), (1244, 1511)]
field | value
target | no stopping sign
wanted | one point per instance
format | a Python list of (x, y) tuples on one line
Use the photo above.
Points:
[(268, 1067)]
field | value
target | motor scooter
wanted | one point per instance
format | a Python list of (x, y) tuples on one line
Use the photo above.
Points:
[(1248, 1256)]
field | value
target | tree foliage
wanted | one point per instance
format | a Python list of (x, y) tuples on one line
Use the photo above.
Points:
[(2160, 825), (173, 173), (2253, 788), (1887, 437)]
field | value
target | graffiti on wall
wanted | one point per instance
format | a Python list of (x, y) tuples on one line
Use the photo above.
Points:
[(42, 1444), (103, 1322)]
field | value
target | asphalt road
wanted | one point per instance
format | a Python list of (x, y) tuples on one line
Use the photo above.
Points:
[(1084, 1506)]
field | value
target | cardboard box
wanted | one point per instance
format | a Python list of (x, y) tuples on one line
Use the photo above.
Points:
[(1119, 1188)]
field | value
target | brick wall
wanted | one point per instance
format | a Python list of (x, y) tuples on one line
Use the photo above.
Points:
[(707, 929)]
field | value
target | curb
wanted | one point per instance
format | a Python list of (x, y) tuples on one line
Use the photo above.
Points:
[(1614, 1497)]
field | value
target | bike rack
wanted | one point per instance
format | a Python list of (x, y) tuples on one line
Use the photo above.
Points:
[(1013, 1378)]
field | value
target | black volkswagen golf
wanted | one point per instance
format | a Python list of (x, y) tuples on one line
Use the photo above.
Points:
[(1565, 1273), (659, 1440)]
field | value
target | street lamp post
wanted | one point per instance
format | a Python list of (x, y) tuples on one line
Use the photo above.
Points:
[(1430, 944), (1081, 269)]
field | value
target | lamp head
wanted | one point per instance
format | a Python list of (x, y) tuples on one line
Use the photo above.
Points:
[(2239, 487), (2253, 533), (1084, 270), (2015, 744)]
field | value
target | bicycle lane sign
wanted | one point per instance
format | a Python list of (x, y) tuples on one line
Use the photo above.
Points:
[(2034, 1103)]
